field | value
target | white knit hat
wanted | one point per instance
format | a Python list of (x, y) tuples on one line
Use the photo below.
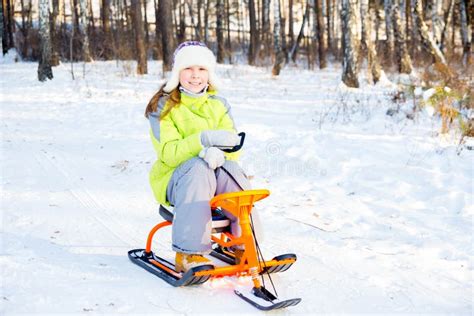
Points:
[(192, 53)]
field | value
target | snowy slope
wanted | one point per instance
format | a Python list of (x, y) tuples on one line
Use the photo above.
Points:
[(378, 209)]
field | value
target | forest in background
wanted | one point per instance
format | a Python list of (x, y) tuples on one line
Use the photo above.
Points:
[(376, 36)]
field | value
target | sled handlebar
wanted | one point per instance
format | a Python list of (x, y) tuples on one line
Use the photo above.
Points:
[(237, 147)]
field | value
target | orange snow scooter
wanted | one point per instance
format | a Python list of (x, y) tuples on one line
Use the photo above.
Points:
[(251, 262)]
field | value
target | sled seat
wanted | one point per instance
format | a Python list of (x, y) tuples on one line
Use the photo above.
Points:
[(220, 222)]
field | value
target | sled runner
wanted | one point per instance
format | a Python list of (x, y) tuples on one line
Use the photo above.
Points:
[(251, 262)]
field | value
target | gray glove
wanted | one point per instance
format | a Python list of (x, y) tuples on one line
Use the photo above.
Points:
[(219, 138), (213, 156)]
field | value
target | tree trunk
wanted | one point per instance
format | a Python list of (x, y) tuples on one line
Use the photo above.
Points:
[(239, 24), (91, 16), (447, 22), (389, 32), (220, 31), (253, 47), (166, 33), (8, 26), (312, 48), (191, 14), (284, 44), (2, 34), (199, 24), (290, 23), (119, 29), (336, 27), (182, 22), (294, 48), (328, 24), (266, 26), (44, 66), (279, 54), (108, 39), (350, 43), (228, 41), (416, 44), (142, 66), (322, 46), (471, 21), (86, 54), (157, 45), (470, 5), (372, 61), (206, 22), (426, 36), (145, 25), (466, 45), (54, 26), (75, 14), (403, 58), (437, 22), (408, 25)]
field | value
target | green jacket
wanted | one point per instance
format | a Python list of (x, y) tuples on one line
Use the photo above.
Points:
[(177, 137)]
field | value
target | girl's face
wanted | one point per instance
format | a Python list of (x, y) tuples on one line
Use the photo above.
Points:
[(194, 78)]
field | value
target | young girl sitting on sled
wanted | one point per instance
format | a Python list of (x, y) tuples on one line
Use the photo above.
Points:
[(190, 122)]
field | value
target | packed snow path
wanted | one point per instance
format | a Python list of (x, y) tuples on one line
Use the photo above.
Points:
[(377, 208)]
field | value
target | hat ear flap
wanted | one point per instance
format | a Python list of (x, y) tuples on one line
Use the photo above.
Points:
[(214, 80), (173, 81)]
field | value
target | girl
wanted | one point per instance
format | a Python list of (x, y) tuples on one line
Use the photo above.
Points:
[(190, 124)]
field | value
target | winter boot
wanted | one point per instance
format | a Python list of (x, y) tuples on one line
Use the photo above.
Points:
[(185, 261)]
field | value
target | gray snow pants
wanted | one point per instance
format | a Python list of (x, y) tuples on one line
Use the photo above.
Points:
[(190, 189)]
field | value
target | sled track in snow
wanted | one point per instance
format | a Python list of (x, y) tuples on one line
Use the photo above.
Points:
[(98, 211)]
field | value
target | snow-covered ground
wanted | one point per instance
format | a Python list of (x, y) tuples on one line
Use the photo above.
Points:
[(377, 208)]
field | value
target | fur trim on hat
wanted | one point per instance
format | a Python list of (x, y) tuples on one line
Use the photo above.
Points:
[(192, 55)]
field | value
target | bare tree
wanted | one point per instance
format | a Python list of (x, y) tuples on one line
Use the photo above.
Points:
[(403, 58), (437, 23), (253, 47), (471, 19), (266, 25), (389, 34), (86, 54), (350, 43), (166, 25), (279, 54), (329, 8), (322, 46), (290, 23), (191, 15), (466, 44), (447, 22), (181, 32), (142, 67), (228, 42), (7, 26), (54, 28), (108, 40), (426, 35), (296, 44), (199, 23), (145, 24), (372, 61), (2, 35), (157, 43), (220, 31), (44, 66), (91, 18)]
